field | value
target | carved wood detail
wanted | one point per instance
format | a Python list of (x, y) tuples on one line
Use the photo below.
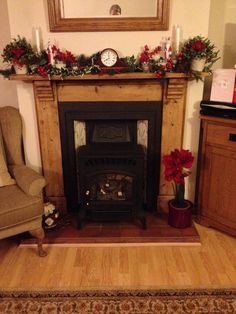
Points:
[(43, 90), (175, 89)]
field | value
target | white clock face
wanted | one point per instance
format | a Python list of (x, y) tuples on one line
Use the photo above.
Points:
[(109, 57)]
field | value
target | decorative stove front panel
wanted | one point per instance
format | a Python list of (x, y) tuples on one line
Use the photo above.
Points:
[(111, 180)]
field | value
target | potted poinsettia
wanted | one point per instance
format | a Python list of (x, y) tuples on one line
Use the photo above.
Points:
[(200, 53), (177, 167), (18, 53)]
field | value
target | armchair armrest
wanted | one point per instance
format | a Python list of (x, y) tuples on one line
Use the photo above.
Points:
[(27, 179)]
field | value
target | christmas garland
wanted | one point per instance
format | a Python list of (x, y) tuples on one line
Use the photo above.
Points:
[(53, 61)]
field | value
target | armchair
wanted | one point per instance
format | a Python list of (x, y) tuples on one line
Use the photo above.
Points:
[(21, 204)]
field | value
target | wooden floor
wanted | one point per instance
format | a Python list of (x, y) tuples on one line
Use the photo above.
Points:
[(213, 264)]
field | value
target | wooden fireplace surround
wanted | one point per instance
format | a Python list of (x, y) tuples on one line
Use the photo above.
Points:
[(120, 87)]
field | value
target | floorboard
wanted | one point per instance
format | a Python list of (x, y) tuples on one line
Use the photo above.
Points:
[(211, 264)]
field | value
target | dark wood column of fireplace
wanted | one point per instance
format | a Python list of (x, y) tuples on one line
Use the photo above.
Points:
[(132, 87)]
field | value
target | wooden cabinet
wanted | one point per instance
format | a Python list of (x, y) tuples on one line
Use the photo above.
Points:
[(217, 174)]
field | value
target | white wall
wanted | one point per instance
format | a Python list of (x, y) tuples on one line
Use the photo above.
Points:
[(24, 15), (229, 52), (7, 88), (222, 30)]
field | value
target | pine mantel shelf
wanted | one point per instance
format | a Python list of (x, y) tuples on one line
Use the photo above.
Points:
[(171, 91), (120, 76)]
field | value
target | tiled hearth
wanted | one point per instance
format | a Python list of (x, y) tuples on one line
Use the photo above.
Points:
[(123, 233)]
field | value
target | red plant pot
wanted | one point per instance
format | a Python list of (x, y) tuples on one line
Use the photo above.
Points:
[(180, 217)]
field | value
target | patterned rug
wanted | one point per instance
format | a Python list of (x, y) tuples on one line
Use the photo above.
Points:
[(162, 301)]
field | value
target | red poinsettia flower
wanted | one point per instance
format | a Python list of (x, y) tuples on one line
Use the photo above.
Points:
[(180, 56), (183, 158), (159, 74), (156, 50), (145, 55), (177, 165), (66, 57), (169, 65), (42, 71), (18, 52), (179, 178), (198, 45)]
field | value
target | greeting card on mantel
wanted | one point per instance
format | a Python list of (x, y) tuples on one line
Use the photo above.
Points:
[(223, 82), (234, 98)]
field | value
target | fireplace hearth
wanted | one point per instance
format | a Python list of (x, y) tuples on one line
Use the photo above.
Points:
[(111, 174)]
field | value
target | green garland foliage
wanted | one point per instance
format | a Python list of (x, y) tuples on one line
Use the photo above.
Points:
[(52, 61)]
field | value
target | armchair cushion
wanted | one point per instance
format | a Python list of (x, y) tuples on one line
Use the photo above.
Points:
[(11, 126), (27, 179), (17, 207), (5, 178)]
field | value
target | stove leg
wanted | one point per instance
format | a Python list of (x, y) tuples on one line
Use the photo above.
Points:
[(81, 218), (141, 215), (144, 223)]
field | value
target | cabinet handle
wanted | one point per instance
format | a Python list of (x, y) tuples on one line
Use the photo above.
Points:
[(232, 137)]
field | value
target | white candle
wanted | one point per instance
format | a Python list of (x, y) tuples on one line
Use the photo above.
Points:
[(177, 38), (168, 49), (37, 39)]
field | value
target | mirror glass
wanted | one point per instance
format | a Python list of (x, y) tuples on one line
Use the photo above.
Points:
[(108, 8), (108, 15)]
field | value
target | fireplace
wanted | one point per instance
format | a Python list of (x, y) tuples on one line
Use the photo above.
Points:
[(111, 157), (170, 93)]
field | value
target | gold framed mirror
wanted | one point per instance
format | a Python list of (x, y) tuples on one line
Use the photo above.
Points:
[(111, 15)]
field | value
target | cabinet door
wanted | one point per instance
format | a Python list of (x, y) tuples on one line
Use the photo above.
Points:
[(218, 191)]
